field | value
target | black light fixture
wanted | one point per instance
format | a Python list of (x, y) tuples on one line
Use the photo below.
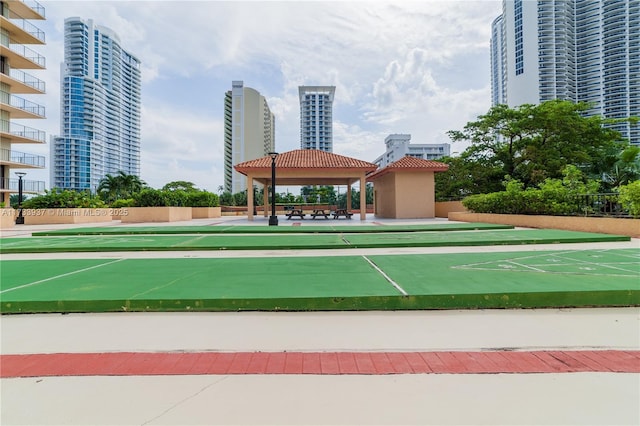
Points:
[(20, 218), (273, 219)]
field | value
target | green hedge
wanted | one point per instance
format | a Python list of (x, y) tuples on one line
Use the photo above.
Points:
[(175, 198), (552, 197), (64, 198)]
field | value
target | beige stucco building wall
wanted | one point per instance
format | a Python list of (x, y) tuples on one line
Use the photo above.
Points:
[(405, 195), (249, 131)]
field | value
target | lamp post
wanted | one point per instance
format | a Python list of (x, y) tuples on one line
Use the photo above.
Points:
[(20, 218), (253, 191), (273, 219)]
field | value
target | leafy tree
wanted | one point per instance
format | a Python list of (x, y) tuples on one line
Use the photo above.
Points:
[(180, 185), (531, 143), (622, 169), (120, 186), (226, 199), (467, 176), (13, 199), (630, 197)]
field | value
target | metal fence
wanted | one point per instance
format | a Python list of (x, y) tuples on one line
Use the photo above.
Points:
[(605, 204)]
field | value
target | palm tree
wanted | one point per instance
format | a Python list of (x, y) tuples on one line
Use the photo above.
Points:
[(130, 184), (109, 188), (118, 187)]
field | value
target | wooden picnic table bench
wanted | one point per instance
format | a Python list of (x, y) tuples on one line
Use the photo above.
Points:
[(320, 212), (342, 212), (295, 212)]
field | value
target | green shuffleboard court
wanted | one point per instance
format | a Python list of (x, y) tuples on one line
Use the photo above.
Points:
[(148, 242), (305, 228), (382, 282)]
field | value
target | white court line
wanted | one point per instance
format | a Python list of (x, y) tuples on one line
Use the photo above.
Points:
[(527, 266), (603, 265), (387, 277), (60, 276)]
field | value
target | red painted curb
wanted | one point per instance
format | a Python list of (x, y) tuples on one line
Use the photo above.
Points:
[(326, 363)]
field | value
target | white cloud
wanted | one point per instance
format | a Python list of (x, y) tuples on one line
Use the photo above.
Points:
[(399, 67)]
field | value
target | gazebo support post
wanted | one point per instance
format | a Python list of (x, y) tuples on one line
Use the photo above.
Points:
[(363, 198), (250, 200)]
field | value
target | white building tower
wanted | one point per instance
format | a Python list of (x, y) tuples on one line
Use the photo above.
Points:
[(585, 51), (249, 132), (316, 117)]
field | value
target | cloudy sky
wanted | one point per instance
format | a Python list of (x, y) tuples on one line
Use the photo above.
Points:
[(399, 67)]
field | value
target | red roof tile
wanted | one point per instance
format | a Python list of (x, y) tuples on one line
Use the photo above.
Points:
[(307, 159), (409, 163)]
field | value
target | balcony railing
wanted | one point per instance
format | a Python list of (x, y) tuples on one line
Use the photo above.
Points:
[(27, 106), (28, 53), (35, 6), (21, 131), (29, 28), (27, 79), (11, 185), (22, 158)]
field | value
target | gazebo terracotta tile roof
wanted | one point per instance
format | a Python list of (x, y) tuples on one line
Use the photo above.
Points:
[(409, 163), (306, 159)]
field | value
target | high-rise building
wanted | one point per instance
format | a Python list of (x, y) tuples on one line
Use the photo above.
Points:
[(100, 108), (400, 146), (17, 34), (578, 50), (316, 117), (249, 132), (498, 62)]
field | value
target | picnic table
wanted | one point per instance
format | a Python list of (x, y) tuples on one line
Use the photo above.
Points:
[(295, 212), (320, 212), (342, 212)]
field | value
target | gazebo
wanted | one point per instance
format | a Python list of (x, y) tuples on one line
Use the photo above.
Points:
[(307, 167)]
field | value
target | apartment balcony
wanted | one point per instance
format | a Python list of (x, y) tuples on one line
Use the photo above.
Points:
[(26, 9), (21, 160), (21, 108), (22, 57), (21, 82), (28, 186), (22, 31), (17, 133)]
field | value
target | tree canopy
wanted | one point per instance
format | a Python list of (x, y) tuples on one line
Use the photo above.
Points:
[(531, 143), (120, 186)]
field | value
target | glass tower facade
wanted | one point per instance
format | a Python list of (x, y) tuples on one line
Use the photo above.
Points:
[(100, 109), (316, 117), (578, 50)]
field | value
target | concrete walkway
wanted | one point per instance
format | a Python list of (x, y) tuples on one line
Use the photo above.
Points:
[(588, 397)]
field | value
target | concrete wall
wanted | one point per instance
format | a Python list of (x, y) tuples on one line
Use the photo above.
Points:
[(405, 195), (384, 199), (205, 212), (60, 216), (156, 214), (604, 225), (7, 218), (415, 195), (443, 208)]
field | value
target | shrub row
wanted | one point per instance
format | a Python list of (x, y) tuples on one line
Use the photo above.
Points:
[(58, 198), (552, 197), (64, 198), (178, 198)]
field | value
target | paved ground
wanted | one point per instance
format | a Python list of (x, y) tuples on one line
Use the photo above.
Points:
[(592, 341)]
